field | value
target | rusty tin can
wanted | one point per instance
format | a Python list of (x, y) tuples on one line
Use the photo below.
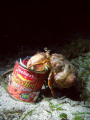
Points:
[(25, 84)]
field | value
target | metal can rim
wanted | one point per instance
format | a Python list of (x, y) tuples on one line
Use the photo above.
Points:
[(45, 69)]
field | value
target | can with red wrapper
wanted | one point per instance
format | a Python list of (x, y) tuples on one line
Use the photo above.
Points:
[(25, 84)]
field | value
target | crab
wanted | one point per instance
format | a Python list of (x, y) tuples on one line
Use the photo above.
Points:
[(62, 74)]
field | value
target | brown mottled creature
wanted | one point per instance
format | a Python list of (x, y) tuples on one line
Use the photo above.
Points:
[(62, 73)]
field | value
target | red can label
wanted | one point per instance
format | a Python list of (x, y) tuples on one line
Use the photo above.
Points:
[(24, 84), (23, 77)]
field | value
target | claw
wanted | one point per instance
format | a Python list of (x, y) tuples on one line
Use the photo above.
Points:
[(31, 65)]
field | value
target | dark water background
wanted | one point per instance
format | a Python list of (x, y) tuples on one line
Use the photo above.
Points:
[(24, 26)]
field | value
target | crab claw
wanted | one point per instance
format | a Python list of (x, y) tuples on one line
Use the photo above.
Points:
[(37, 62), (29, 66), (36, 66)]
